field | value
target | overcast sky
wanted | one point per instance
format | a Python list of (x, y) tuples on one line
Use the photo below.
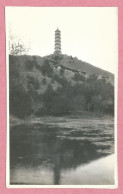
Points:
[(90, 34)]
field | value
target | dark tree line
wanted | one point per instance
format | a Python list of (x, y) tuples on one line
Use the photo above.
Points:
[(96, 96)]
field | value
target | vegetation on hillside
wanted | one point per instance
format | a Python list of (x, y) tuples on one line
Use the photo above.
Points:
[(37, 89)]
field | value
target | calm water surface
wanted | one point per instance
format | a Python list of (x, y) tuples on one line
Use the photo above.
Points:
[(62, 150)]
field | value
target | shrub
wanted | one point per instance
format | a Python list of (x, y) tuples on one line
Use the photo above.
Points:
[(29, 65), (62, 71), (33, 82), (47, 69), (44, 81), (78, 77)]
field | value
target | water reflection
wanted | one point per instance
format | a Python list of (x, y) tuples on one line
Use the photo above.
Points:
[(32, 146)]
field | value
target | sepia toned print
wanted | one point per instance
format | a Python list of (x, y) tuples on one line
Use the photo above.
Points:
[(61, 101)]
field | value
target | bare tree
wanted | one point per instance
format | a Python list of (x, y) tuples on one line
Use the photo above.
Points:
[(17, 48)]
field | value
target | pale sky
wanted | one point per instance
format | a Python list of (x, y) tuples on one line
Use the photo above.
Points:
[(88, 33)]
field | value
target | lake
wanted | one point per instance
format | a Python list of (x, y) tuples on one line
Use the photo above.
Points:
[(62, 151)]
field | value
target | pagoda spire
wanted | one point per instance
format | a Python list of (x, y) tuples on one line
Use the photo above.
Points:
[(57, 41)]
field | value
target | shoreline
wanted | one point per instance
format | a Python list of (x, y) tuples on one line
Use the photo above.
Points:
[(34, 119)]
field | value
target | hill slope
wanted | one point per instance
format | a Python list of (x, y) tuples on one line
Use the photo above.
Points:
[(69, 62), (46, 84)]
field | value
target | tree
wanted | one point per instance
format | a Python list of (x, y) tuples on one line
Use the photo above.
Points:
[(17, 48), (20, 101), (62, 71), (46, 68), (78, 77)]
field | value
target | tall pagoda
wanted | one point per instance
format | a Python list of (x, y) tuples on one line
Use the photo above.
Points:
[(57, 41)]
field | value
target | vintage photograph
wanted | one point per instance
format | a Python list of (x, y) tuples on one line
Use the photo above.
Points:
[(61, 65)]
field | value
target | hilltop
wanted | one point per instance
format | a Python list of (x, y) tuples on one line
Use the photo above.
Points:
[(64, 60), (45, 85)]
